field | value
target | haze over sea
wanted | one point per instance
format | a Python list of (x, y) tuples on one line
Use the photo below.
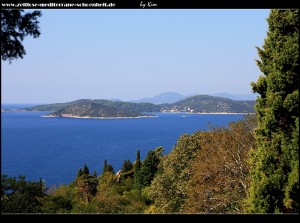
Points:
[(55, 148)]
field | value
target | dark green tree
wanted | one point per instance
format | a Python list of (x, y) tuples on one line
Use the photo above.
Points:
[(57, 204), (150, 166), (15, 25), (108, 168), (127, 166), (79, 173), (127, 170), (275, 163), (85, 170), (21, 196), (137, 169), (105, 166)]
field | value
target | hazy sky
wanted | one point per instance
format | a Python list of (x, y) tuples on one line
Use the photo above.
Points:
[(131, 54)]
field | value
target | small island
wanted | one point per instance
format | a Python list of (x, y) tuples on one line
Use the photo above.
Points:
[(94, 110)]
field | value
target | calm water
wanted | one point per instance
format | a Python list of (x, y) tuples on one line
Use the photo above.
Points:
[(55, 148)]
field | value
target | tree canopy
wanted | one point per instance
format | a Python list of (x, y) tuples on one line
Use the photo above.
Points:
[(21, 196), (15, 26)]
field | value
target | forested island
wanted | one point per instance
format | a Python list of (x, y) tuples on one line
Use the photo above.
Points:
[(94, 110), (100, 108)]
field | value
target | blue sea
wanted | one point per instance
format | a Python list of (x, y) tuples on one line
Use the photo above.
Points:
[(55, 148)]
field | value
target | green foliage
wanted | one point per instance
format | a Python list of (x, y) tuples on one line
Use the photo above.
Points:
[(15, 26), (105, 166), (127, 166), (85, 170), (150, 166), (87, 184), (275, 163), (57, 204), (137, 168), (79, 173), (62, 200), (21, 196), (168, 190), (108, 168), (116, 197), (127, 170)]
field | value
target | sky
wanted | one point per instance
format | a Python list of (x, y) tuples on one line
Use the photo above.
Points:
[(130, 54)]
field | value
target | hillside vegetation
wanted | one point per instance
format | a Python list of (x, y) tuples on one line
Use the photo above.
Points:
[(89, 109), (209, 104)]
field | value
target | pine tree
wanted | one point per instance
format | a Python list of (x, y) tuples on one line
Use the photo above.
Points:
[(275, 164)]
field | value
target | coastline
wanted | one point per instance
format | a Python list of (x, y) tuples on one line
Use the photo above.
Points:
[(88, 117), (145, 116), (189, 113)]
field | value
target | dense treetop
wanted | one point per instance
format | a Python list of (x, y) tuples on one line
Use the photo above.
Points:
[(15, 26)]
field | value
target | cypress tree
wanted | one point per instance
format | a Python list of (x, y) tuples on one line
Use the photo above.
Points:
[(85, 170), (150, 166), (110, 169), (79, 173), (127, 166), (127, 170), (105, 166), (137, 169), (274, 170)]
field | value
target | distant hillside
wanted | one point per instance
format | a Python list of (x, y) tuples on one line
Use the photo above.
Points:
[(209, 104), (242, 97), (172, 97), (167, 97), (92, 110)]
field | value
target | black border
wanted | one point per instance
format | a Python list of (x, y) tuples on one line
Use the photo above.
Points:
[(161, 4)]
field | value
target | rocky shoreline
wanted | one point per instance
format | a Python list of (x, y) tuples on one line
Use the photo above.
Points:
[(89, 117)]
